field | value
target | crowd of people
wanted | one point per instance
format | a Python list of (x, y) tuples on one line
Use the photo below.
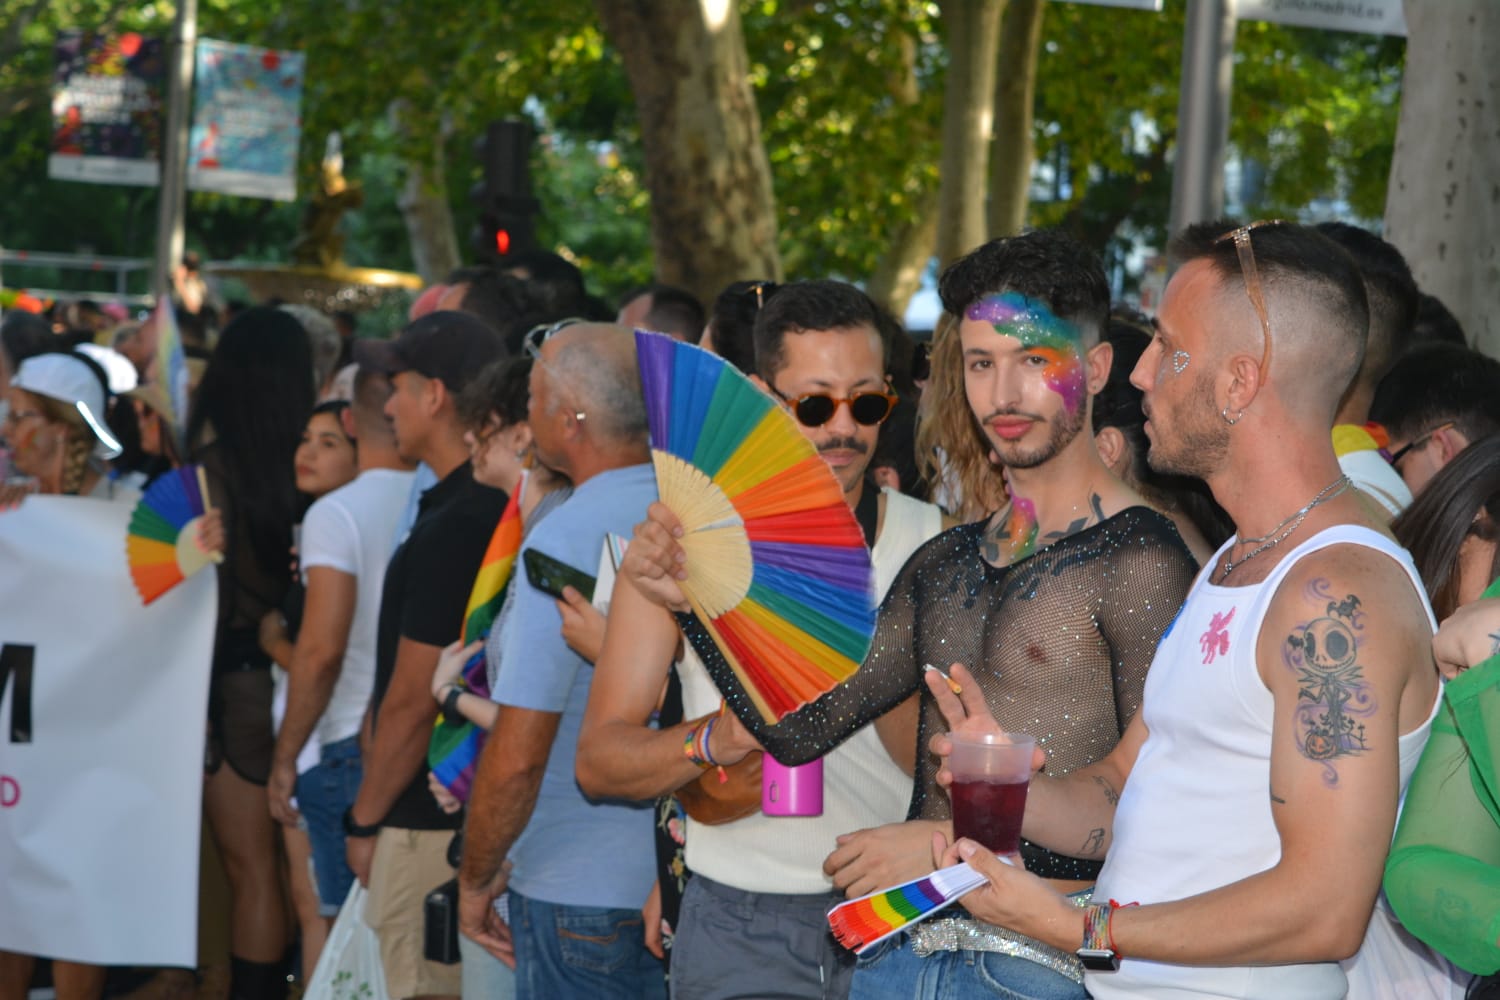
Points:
[(1201, 557)]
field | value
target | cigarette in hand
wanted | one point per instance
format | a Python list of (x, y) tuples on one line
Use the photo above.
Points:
[(953, 685)]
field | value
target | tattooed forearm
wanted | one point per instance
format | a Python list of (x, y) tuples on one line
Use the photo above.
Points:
[(1332, 695), (1094, 845), (1110, 795)]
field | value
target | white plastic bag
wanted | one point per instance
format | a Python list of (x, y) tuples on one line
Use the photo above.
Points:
[(349, 968)]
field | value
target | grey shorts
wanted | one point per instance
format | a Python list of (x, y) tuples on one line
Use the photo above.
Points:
[(735, 944)]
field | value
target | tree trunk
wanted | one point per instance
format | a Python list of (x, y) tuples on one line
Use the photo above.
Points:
[(423, 202), (898, 274), (972, 32), (1442, 207), (713, 214), (1015, 98)]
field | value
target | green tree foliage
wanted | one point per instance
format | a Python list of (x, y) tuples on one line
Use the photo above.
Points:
[(850, 96)]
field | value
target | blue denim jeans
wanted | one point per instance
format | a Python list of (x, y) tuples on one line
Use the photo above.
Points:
[(323, 793), (582, 951), (892, 971)]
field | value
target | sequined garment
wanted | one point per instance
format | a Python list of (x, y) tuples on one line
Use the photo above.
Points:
[(1060, 643)]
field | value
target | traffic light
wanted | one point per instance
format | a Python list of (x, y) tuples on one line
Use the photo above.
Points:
[(507, 211)]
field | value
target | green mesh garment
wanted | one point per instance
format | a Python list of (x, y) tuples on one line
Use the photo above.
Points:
[(1443, 875)]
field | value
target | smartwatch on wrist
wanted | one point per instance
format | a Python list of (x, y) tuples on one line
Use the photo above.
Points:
[(353, 829), (451, 710)]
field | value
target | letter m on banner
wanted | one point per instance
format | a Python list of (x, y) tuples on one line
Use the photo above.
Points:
[(18, 661)]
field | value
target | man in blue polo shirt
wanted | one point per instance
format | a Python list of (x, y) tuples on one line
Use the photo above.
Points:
[(581, 867)]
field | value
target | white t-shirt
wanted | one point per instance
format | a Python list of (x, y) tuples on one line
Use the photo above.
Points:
[(350, 530), (862, 786)]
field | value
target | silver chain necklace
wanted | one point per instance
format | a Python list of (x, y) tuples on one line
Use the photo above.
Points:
[(1277, 535)]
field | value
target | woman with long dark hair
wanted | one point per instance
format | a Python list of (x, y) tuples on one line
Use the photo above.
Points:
[(245, 427)]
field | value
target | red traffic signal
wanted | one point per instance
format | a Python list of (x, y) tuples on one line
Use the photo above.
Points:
[(502, 241)]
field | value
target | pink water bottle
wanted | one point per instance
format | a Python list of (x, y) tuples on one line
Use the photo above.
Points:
[(791, 791)]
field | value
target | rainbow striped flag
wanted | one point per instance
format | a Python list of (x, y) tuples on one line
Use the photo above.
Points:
[(171, 367), (453, 751), (494, 572), (862, 923)]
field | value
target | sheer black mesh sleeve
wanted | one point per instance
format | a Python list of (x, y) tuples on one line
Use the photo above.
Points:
[(1060, 644)]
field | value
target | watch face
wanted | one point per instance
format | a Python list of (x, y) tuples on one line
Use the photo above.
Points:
[(1098, 959)]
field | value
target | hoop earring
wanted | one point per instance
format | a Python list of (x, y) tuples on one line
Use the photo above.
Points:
[(1231, 421)]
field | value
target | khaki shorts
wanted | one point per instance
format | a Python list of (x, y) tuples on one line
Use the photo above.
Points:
[(408, 864)]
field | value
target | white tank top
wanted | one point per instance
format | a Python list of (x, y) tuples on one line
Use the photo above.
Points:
[(862, 786), (1195, 814)]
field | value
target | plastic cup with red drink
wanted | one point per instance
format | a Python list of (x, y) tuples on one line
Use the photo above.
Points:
[(990, 775)]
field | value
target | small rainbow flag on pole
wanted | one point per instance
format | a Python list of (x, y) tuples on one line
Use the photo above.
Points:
[(494, 572), (861, 924)]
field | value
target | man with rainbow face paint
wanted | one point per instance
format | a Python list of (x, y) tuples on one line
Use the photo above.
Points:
[(1054, 603)]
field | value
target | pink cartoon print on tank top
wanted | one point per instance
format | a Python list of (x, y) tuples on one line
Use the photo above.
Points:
[(1215, 639)]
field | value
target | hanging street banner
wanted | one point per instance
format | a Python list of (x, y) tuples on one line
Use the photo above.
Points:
[(247, 120), (1375, 17), (107, 100), (102, 709)]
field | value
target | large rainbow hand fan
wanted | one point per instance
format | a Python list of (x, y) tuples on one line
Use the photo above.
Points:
[(778, 571), (161, 546)]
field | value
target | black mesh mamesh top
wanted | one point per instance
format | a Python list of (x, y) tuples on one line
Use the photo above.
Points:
[(1060, 642)]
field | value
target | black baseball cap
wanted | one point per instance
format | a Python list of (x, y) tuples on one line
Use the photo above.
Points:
[(449, 346)]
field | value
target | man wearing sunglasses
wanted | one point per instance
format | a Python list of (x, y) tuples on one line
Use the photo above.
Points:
[(753, 918), (1248, 809)]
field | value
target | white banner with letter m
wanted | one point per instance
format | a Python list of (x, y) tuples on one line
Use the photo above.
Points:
[(102, 705)]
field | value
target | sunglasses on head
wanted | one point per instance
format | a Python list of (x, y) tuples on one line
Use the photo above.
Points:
[(1246, 253), (538, 335), (814, 409)]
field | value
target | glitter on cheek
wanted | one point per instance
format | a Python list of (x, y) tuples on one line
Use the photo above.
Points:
[(1037, 327)]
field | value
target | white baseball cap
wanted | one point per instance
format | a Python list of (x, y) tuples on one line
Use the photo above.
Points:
[(122, 374), (69, 380)]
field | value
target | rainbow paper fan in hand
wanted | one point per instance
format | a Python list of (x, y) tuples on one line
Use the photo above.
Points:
[(860, 924), (778, 572), (161, 546)]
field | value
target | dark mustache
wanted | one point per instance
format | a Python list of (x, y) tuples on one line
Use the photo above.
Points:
[(845, 444)]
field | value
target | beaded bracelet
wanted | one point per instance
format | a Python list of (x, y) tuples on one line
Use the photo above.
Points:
[(1098, 931), (690, 748)]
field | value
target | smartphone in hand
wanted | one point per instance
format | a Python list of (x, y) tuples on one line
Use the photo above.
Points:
[(550, 575)]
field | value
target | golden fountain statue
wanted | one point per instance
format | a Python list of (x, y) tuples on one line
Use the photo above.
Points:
[(318, 276)]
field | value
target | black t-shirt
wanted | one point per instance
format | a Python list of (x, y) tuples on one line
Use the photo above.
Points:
[(426, 591)]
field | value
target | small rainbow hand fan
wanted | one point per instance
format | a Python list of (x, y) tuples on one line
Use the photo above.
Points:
[(860, 924), (778, 571), (161, 546)]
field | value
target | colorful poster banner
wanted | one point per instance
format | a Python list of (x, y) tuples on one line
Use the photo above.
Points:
[(1375, 17), (102, 708), (247, 121), (107, 101)]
